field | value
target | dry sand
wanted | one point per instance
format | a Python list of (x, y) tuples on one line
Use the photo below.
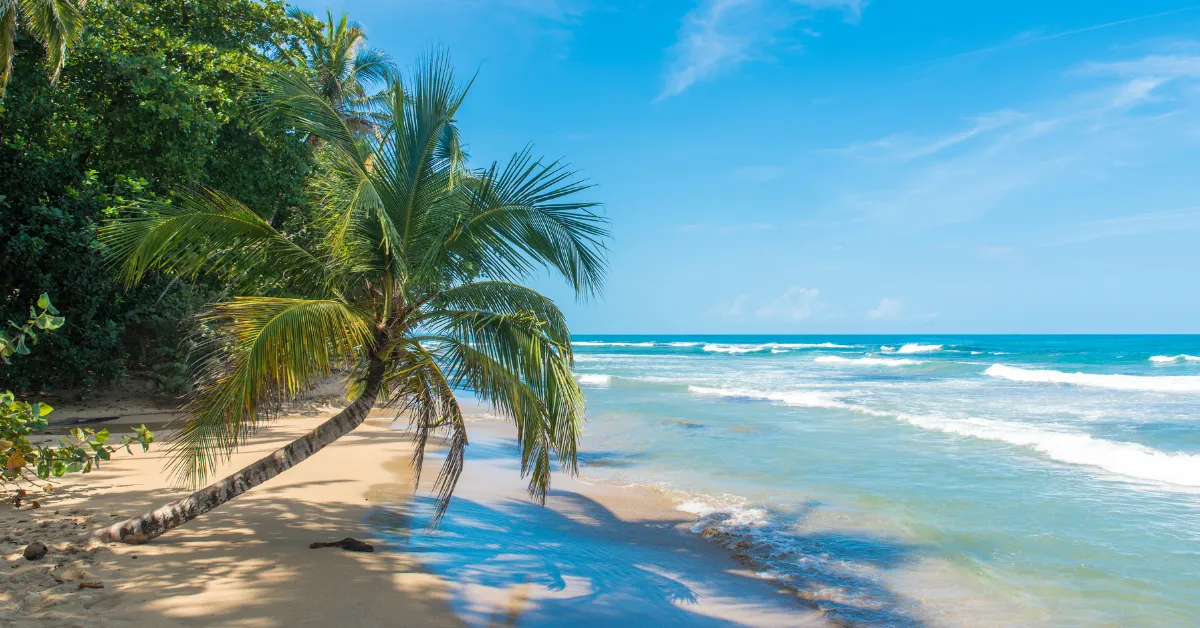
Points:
[(248, 562)]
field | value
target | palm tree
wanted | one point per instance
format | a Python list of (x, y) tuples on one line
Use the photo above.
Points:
[(57, 24), (415, 289), (341, 67)]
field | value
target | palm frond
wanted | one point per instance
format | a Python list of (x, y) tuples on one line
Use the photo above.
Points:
[(57, 24), (209, 232), (271, 350), (519, 221), (509, 361)]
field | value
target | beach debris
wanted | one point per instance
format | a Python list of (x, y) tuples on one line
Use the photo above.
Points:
[(348, 544), (91, 585), (35, 550)]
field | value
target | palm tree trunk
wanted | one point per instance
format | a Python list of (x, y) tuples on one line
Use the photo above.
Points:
[(154, 523)]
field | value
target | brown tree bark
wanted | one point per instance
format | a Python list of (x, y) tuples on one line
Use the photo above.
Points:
[(154, 523)]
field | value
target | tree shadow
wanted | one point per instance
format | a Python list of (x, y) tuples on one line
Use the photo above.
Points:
[(247, 562), (585, 562)]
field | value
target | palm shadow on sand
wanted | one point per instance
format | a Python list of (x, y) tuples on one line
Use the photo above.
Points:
[(585, 565)]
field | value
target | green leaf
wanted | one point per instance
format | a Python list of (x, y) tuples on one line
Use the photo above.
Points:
[(59, 469), (21, 349), (43, 408), (44, 301)]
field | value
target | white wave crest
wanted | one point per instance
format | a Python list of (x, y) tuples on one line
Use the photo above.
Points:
[(1176, 383), (684, 344), (1169, 359), (1132, 460), (887, 349), (914, 347), (802, 399), (834, 359), (597, 343), (773, 347), (589, 379)]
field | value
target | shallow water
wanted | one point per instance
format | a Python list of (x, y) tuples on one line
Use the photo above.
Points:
[(942, 480)]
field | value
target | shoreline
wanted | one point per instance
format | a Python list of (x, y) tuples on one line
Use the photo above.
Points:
[(247, 563)]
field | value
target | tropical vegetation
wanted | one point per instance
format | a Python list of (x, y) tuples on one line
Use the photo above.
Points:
[(414, 290), (23, 463)]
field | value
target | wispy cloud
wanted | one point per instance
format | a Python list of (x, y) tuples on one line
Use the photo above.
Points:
[(796, 304), (1033, 36), (888, 309), (1135, 225), (905, 147), (720, 35), (1089, 132)]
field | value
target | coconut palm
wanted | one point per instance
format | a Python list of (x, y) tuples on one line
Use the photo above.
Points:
[(339, 64), (415, 289), (57, 24)]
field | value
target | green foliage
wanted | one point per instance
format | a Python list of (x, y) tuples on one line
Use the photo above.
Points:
[(44, 317), (21, 460), (413, 283), (154, 94), (82, 452)]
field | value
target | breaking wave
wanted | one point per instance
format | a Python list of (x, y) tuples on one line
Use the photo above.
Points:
[(1131, 460), (589, 379), (1169, 359), (833, 359), (914, 347), (1176, 383)]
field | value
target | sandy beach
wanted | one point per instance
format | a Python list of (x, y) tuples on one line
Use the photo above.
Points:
[(248, 563)]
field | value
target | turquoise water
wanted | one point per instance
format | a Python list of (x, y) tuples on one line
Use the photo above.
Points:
[(1047, 480)]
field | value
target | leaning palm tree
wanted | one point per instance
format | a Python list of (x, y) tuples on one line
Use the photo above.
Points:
[(339, 65), (57, 24), (414, 291)]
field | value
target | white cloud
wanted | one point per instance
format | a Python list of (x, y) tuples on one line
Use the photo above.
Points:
[(888, 309), (719, 35), (796, 304)]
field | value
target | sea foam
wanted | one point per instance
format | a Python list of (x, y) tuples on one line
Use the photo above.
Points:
[(1169, 359), (834, 359), (803, 399), (589, 379), (914, 347), (1132, 460), (597, 343), (773, 347), (1177, 383)]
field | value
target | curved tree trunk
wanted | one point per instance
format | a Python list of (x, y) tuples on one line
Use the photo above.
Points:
[(154, 523)]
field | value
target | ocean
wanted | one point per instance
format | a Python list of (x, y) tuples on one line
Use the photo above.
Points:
[(905, 480)]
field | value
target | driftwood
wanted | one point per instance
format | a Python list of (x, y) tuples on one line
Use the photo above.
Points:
[(348, 544)]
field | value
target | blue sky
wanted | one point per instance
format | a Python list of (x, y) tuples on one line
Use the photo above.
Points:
[(851, 166)]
